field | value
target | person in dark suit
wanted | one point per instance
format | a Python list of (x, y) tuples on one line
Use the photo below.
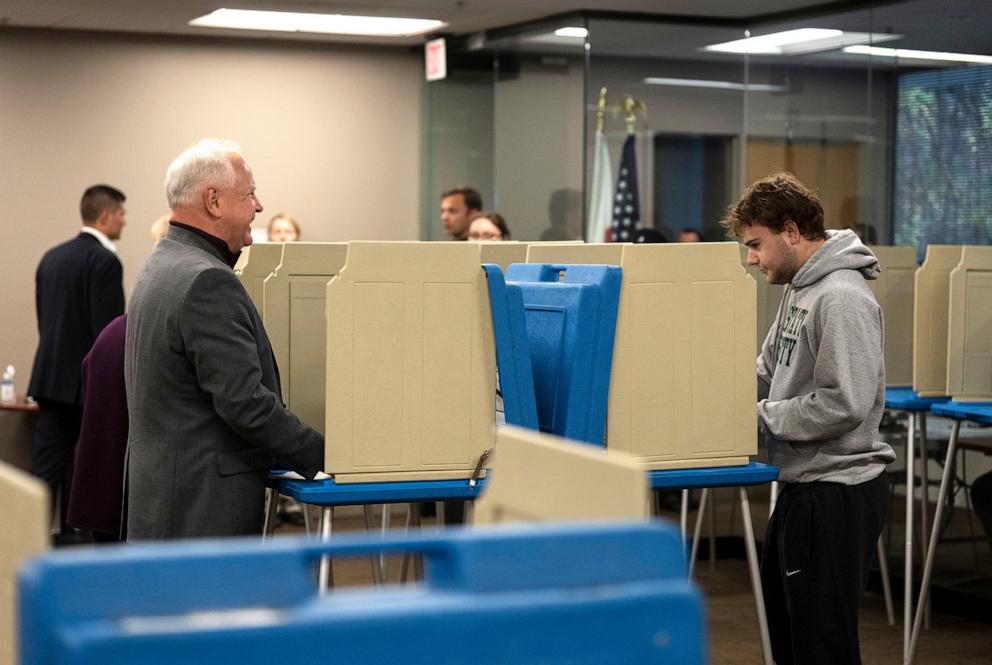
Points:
[(207, 423), (78, 290)]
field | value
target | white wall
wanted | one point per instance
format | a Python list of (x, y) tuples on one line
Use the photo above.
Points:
[(330, 131)]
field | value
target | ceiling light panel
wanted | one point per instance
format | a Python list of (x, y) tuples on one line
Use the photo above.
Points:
[(799, 42), (335, 24), (909, 54)]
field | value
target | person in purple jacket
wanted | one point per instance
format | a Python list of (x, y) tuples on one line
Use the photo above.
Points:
[(97, 494)]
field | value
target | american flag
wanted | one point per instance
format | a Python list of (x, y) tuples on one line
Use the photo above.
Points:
[(627, 198)]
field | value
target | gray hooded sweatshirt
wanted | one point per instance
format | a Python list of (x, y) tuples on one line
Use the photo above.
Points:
[(821, 372)]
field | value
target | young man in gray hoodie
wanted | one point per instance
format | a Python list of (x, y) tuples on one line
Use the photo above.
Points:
[(821, 391)]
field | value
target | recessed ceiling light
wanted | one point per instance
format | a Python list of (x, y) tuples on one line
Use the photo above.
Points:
[(576, 32), (716, 85), (798, 42), (909, 54), (336, 24), (772, 44)]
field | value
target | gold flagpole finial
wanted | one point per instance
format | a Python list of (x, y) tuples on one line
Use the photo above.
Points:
[(631, 108), (601, 111)]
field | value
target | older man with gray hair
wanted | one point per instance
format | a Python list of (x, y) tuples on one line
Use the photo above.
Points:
[(207, 422)]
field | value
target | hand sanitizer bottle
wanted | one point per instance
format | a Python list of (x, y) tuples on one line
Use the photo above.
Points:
[(7, 394)]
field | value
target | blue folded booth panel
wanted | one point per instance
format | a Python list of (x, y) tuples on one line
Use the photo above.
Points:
[(610, 593), (571, 315)]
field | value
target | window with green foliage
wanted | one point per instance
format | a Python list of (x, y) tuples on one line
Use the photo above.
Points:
[(943, 162)]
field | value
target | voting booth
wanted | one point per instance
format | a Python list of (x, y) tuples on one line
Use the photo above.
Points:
[(294, 313), (256, 263), (411, 371), (894, 292), (969, 352), (930, 319), (684, 351), (24, 535)]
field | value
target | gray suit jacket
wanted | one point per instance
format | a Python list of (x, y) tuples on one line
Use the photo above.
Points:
[(206, 419)]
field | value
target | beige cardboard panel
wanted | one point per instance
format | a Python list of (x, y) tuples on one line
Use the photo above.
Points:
[(684, 350), (539, 478), (411, 370), (24, 535), (769, 297), (258, 261), (294, 316), (894, 292), (571, 252), (653, 432), (504, 253), (969, 355), (930, 319)]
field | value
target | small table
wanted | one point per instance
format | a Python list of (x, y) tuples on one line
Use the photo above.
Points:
[(978, 412), (17, 432), (753, 473), (328, 494)]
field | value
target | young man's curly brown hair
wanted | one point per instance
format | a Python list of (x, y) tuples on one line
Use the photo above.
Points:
[(771, 202)]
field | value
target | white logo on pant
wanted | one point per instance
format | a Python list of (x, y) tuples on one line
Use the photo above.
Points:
[(790, 573)]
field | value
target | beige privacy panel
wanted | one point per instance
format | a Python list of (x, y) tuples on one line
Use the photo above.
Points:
[(969, 332), (411, 367), (894, 292), (538, 478), (294, 316), (696, 406), (768, 297), (257, 261), (24, 534), (930, 302), (504, 253)]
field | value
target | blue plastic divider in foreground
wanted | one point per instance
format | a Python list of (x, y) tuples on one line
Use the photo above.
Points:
[(548, 593), (571, 317)]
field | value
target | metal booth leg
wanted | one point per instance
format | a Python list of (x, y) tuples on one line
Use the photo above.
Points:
[(712, 525), (684, 522), (883, 568), (412, 522), (325, 576), (924, 502), (377, 574), (696, 532), (752, 564), (271, 501), (907, 615), (945, 481)]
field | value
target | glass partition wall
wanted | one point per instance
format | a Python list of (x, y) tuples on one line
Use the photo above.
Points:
[(517, 116)]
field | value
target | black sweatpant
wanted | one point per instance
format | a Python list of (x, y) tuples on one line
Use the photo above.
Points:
[(814, 567), (55, 434)]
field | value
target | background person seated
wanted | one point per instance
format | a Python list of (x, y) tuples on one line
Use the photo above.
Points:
[(283, 228), (488, 226)]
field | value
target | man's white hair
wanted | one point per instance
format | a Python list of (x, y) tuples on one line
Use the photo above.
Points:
[(200, 166)]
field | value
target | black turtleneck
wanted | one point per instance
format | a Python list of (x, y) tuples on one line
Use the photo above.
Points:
[(225, 252)]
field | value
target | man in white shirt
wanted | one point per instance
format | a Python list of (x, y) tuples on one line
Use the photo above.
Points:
[(78, 290)]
